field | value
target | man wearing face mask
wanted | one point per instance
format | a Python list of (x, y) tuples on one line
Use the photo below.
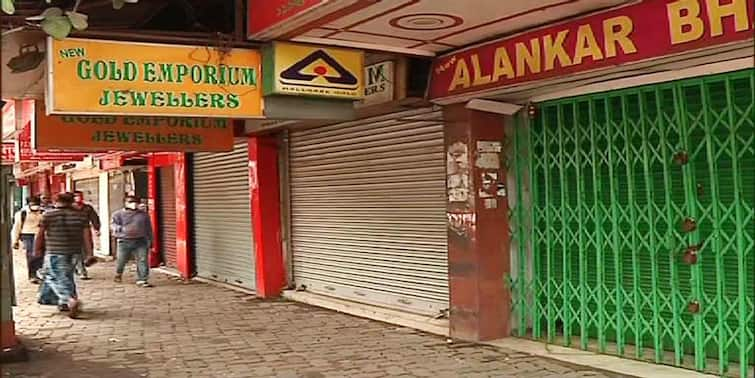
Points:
[(25, 227), (94, 221), (133, 230)]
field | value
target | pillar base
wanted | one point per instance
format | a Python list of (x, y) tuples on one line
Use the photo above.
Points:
[(12, 350), (14, 354)]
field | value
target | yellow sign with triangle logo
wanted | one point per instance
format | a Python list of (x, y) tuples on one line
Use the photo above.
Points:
[(316, 71)]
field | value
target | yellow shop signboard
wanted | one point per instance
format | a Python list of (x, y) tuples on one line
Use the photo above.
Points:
[(123, 78), (314, 71)]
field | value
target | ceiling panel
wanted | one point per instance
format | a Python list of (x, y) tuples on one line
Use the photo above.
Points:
[(376, 39), (431, 26)]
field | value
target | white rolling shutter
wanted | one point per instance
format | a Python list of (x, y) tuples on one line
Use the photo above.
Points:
[(368, 211), (224, 247)]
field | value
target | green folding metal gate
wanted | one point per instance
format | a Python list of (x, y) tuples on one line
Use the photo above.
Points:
[(634, 223)]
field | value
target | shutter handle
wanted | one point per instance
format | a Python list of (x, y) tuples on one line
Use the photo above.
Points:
[(691, 254), (681, 158), (693, 307), (689, 224)]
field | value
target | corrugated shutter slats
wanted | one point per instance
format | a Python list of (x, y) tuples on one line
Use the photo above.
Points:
[(222, 217), (368, 211), (168, 215)]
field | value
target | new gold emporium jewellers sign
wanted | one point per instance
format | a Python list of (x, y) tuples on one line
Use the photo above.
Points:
[(110, 77)]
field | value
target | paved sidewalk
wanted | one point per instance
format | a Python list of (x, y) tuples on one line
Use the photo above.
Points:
[(197, 330)]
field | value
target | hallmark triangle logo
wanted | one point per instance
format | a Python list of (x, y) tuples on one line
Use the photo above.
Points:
[(319, 69), (314, 71)]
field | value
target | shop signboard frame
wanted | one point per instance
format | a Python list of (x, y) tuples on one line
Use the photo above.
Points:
[(263, 17), (379, 83), (25, 152), (626, 35), (324, 72), (99, 77), (130, 133)]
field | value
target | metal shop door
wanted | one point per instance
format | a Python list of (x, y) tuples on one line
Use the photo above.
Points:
[(636, 237), (224, 246), (167, 215), (368, 206)]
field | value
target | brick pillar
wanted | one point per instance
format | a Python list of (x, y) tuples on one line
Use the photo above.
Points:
[(264, 190), (478, 230)]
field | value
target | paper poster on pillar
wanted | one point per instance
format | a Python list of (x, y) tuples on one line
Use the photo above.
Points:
[(457, 171), (488, 189), (462, 224), (488, 155)]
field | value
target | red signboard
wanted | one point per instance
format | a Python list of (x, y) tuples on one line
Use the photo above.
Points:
[(9, 154), (649, 29), (25, 152), (264, 14)]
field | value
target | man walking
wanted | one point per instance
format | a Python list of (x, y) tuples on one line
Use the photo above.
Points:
[(132, 229), (94, 222), (63, 233), (25, 227)]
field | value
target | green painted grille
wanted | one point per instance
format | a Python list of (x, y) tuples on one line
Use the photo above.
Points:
[(604, 184)]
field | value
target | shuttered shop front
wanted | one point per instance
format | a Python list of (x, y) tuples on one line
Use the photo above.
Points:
[(167, 214), (222, 217), (638, 227), (368, 207)]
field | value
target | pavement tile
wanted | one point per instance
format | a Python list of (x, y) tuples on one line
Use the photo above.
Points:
[(194, 329)]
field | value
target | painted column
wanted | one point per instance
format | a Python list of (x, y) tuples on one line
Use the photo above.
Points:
[(154, 254), (102, 243), (182, 216), (8, 339), (264, 188), (43, 184), (10, 348), (180, 170), (478, 230)]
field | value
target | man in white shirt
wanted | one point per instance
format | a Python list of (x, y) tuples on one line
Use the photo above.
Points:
[(25, 227)]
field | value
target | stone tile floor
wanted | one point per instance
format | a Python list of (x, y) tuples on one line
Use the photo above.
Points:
[(194, 329)]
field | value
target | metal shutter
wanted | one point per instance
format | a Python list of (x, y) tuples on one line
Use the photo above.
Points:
[(222, 217), (613, 178), (168, 216), (368, 211)]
